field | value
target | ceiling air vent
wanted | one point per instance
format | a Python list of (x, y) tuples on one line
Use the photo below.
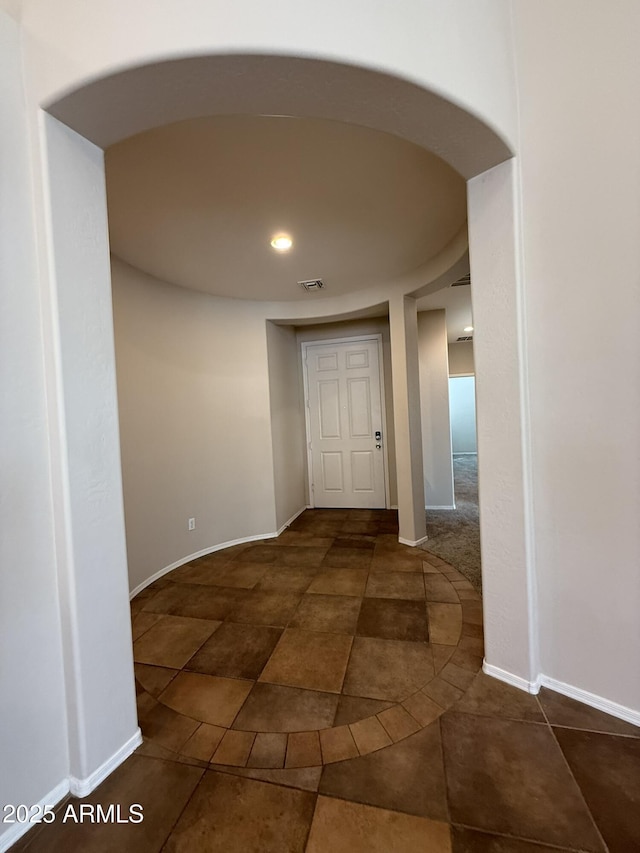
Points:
[(312, 284), (465, 279), (464, 338)]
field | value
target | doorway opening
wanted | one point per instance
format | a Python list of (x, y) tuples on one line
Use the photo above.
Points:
[(345, 416)]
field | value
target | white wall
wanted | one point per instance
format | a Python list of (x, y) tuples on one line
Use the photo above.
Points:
[(193, 393), (580, 165), (461, 358), (287, 422), (33, 730), (434, 406), (462, 404)]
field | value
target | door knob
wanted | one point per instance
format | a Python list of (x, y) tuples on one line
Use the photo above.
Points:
[(378, 446)]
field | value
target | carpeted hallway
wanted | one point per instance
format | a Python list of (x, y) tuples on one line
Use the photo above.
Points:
[(454, 535)]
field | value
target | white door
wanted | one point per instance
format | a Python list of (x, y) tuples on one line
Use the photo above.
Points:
[(345, 424)]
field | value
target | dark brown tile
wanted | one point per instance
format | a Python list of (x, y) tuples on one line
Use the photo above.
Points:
[(363, 528), (162, 788), (347, 558), (355, 828), (195, 601), (303, 778), (198, 573), (393, 619), (309, 659), (563, 711), (301, 556), (203, 742), (257, 554), (471, 841), (154, 678), (353, 708), (509, 777), (287, 579), (337, 744), (456, 675), (336, 614), (297, 538), (238, 575), (303, 750), (260, 607), (407, 777), (234, 748), (216, 818), (355, 540), (172, 641), (167, 727), (387, 669), (339, 582), (392, 561), (492, 698), (467, 659), (142, 622), (206, 698), (236, 651), (273, 708), (406, 585), (268, 751), (438, 588), (445, 623), (607, 769)]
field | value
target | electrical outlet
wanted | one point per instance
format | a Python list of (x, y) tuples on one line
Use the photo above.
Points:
[(192, 524)]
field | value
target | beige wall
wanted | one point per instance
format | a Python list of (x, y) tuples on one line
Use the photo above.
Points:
[(287, 422), (193, 393), (353, 328), (434, 409), (580, 167), (461, 358), (33, 735)]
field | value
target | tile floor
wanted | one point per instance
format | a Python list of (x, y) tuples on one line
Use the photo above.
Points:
[(321, 692)]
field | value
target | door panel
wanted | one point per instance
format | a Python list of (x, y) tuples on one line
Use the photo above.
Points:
[(332, 472), (345, 412)]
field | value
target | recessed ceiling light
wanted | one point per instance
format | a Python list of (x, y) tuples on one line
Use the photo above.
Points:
[(282, 243), (468, 328)]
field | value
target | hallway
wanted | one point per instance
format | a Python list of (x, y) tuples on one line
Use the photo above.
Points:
[(321, 692)]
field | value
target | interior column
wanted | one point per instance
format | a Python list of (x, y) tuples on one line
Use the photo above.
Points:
[(403, 323), (436, 422)]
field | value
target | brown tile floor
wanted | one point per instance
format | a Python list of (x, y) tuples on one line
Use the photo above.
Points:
[(321, 692)]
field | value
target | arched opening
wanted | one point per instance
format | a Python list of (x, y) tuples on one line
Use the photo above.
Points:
[(78, 125)]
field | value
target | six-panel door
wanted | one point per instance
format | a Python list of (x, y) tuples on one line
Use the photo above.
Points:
[(345, 412)]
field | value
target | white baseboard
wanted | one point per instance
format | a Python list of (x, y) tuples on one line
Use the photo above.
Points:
[(287, 523), (446, 506), (206, 551), (510, 678), (83, 787), (587, 698), (466, 453), (577, 693), (393, 506), (411, 543), (17, 830)]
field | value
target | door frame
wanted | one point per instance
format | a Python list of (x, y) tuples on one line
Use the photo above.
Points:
[(374, 336)]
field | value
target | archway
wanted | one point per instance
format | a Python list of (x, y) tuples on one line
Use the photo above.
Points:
[(90, 516)]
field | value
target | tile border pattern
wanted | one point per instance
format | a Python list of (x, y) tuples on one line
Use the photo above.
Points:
[(238, 748)]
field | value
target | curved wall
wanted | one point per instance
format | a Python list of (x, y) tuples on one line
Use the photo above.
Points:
[(461, 52)]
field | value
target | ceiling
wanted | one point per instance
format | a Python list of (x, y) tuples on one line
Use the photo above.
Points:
[(457, 303), (196, 203)]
